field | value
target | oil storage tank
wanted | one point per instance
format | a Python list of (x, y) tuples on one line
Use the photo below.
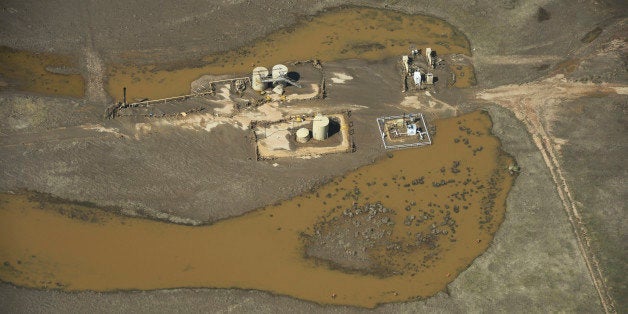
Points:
[(320, 127), (279, 70), (259, 73), (303, 135)]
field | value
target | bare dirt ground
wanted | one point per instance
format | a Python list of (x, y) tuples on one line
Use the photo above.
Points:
[(566, 133)]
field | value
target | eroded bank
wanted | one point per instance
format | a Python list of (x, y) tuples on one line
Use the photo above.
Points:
[(455, 189)]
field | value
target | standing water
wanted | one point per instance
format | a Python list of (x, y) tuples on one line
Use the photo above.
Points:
[(429, 212), (347, 33)]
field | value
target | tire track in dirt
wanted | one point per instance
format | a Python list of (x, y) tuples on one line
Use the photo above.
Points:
[(524, 101), (93, 64)]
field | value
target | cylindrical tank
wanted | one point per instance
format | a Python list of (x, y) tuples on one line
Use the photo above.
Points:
[(259, 73), (320, 127), (279, 70), (303, 135), (429, 79), (406, 63), (428, 56)]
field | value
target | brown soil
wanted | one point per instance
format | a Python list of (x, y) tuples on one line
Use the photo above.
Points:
[(364, 33), (338, 141), (40, 72), (544, 271), (419, 210), (84, 248), (465, 77), (535, 103)]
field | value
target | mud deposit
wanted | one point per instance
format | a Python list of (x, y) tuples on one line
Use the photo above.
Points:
[(396, 230), (39, 72), (338, 34), (464, 76)]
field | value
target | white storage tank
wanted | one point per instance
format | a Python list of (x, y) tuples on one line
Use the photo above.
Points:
[(417, 78), (320, 127), (429, 79), (303, 135), (259, 73), (428, 56), (279, 70)]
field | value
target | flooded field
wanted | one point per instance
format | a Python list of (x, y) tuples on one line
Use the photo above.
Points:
[(422, 216), (364, 33), (465, 77), (345, 33), (40, 73)]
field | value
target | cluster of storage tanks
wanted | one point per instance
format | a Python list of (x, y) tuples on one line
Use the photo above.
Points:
[(320, 130), (416, 72), (260, 80), (262, 77)]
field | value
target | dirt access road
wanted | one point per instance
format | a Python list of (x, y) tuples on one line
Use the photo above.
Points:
[(534, 262)]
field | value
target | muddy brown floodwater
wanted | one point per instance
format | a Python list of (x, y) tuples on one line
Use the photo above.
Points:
[(464, 75), (52, 244), (342, 33), (345, 33), (40, 72)]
